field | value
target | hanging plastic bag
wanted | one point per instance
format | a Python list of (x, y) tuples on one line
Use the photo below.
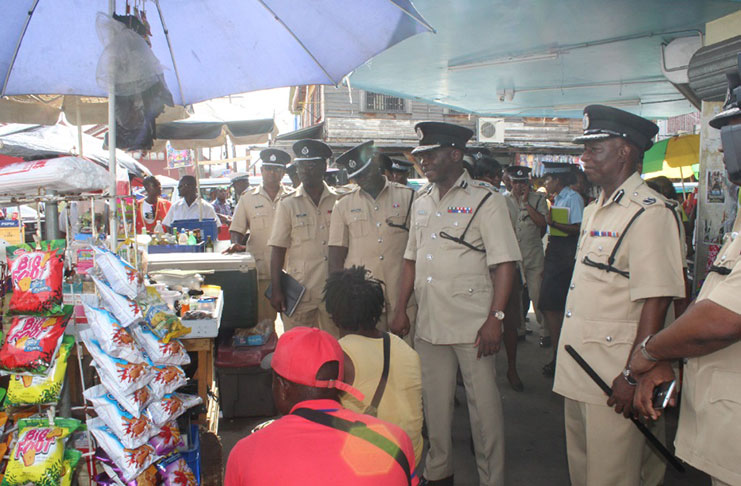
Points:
[(125, 310), (113, 338), (32, 342), (132, 431), (120, 275), (160, 352), (171, 407), (158, 316), (39, 390), (131, 462), (124, 376), (176, 472), (167, 439), (166, 380), (37, 278)]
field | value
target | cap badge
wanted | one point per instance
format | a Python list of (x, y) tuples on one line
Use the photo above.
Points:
[(305, 150), (273, 158), (585, 121), (352, 164), (419, 133), (478, 155)]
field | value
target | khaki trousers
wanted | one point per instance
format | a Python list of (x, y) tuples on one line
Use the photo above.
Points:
[(533, 279), (718, 482), (317, 317), (604, 447), (264, 309), (440, 365)]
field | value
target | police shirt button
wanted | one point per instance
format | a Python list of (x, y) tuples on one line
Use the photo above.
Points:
[(568, 314), (470, 291), (433, 236), (325, 259), (599, 248), (324, 242), (375, 208), (380, 240), (438, 214), (723, 258), (572, 286), (429, 256), (455, 223), (635, 193), (321, 227), (608, 339), (378, 224), (429, 279), (380, 257)]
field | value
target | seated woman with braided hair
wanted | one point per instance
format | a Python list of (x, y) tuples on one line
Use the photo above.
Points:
[(355, 301)]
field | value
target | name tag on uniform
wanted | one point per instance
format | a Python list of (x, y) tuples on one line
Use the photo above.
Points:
[(421, 212), (610, 234), (355, 210), (259, 206), (460, 209), (301, 215), (395, 205)]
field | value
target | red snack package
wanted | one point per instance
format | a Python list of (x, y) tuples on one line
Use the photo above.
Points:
[(31, 344), (37, 278)]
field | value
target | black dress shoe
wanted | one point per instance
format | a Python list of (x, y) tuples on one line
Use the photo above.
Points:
[(545, 342), (436, 482)]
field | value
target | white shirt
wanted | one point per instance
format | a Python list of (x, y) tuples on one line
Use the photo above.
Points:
[(181, 210)]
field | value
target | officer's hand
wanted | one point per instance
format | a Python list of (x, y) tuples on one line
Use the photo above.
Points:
[(548, 218), (639, 364), (400, 325), (622, 396), (278, 300), (489, 337), (235, 248), (643, 400)]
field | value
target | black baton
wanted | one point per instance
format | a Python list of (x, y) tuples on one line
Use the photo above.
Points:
[(661, 448)]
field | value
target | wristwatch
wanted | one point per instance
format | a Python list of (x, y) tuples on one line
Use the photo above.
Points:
[(629, 377), (499, 315)]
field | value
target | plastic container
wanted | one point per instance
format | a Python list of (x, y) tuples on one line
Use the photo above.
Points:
[(199, 248), (192, 454), (207, 226)]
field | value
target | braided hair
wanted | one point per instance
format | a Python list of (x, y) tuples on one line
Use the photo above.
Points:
[(354, 299)]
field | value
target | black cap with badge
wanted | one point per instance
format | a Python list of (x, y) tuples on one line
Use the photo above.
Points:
[(518, 172), (732, 106), (601, 122), (309, 149), (558, 168), (356, 160), (730, 133), (433, 135), (274, 158)]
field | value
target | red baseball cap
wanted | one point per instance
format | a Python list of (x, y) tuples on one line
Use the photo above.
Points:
[(300, 353)]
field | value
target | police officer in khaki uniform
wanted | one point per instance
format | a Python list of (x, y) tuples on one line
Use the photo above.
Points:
[(396, 170), (709, 333), (460, 263), (300, 235), (530, 227), (254, 213), (370, 227), (628, 269)]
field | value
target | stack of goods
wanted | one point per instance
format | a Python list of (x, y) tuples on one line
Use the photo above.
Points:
[(34, 353), (133, 342)]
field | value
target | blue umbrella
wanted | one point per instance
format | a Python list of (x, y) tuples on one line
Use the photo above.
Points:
[(208, 48)]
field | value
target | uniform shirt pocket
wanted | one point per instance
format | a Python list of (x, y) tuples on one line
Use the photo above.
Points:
[(473, 290), (259, 221), (358, 224), (609, 333), (300, 228)]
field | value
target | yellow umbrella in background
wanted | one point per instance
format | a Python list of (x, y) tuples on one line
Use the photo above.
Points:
[(668, 157)]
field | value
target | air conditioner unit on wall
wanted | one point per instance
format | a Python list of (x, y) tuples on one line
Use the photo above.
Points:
[(491, 130)]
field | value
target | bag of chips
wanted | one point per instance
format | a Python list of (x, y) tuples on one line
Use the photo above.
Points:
[(166, 380), (32, 343), (134, 403), (113, 338), (112, 474), (126, 311), (37, 278), (38, 455), (71, 459), (176, 472), (159, 351), (167, 439), (158, 316), (38, 390), (120, 275), (131, 462), (131, 431), (124, 376), (171, 407)]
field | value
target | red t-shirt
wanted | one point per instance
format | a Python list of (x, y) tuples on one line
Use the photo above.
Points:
[(295, 451), (159, 212)]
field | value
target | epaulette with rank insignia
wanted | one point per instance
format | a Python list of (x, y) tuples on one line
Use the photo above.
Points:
[(483, 185)]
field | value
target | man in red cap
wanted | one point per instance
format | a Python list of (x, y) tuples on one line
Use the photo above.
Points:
[(318, 442)]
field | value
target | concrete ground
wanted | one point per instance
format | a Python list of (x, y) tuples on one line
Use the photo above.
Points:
[(535, 444)]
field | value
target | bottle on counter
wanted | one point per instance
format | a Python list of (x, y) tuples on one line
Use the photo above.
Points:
[(192, 238), (183, 237), (158, 229), (209, 245)]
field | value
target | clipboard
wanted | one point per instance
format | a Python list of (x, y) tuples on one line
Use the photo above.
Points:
[(292, 289), (559, 215)]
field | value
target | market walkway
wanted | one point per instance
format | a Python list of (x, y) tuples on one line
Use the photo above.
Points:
[(536, 451)]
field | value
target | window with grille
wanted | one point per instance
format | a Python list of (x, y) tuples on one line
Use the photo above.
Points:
[(383, 103)]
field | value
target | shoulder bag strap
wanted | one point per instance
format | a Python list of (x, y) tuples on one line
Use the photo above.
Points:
[(373, 407), (361, 431), (462, 239)]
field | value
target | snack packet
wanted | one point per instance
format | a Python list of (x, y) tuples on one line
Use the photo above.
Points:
[(166, 380), (124, 376), (113, 338), (32, 343), (131, 431), (112, 474), (37, 390), (158, 316), (171, 407), (71, 459), (131, 462), (120, 275), (167, 439), (176, 472), (37, 278), (126, 311), (159, 351), (134, 403), (38, 455)]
